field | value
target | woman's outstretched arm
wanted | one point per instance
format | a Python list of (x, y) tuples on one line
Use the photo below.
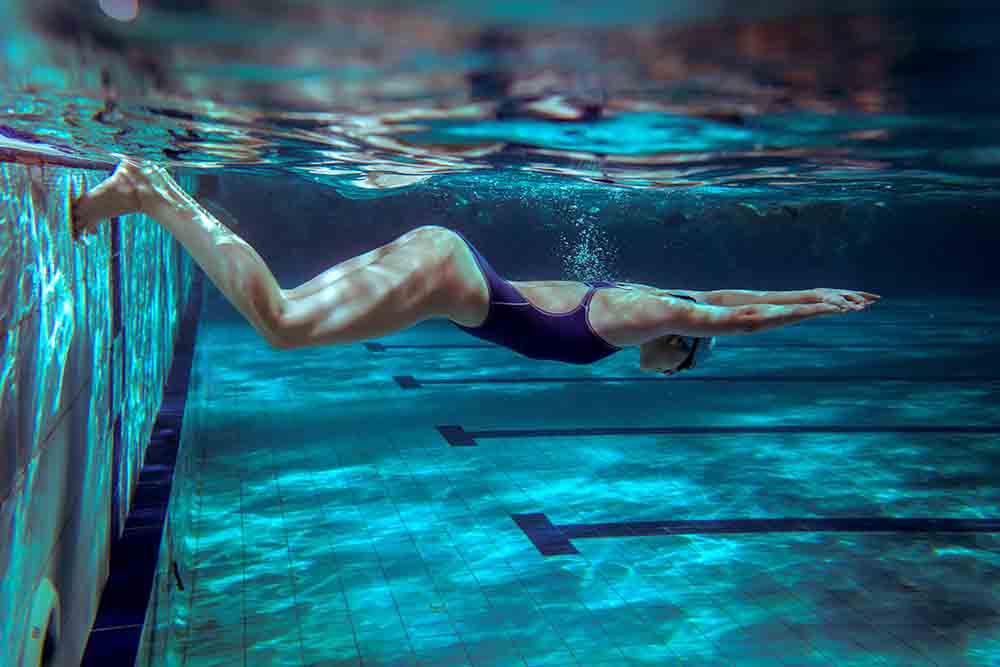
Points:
[(743, 297), (837, 297), (735, 298), (730, 298), (646, 317)]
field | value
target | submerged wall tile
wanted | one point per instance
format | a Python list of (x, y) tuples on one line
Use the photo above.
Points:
[(65, 376)]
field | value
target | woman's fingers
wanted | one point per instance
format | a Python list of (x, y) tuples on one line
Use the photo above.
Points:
[(847, 300), (844, 305), (857, 297), (863, 298), (839, 300), (841, 296)]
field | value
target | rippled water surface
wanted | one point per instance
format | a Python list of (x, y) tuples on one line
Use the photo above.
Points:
[(374, 98)]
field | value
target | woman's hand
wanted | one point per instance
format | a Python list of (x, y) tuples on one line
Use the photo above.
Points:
[(845, 300)]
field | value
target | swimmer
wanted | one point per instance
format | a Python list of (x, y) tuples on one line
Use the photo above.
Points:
[(433, 272)]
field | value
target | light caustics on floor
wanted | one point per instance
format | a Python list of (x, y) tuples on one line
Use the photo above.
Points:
[(501, 511)]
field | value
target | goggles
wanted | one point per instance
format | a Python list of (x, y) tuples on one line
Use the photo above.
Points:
[(699, 349)]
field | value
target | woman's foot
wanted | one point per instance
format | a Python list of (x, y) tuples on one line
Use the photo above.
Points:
[(121, 193)]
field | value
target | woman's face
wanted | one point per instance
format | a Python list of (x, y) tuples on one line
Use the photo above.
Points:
[(662, 355)]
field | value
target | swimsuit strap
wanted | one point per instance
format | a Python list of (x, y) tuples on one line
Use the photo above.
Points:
[(593, 288)]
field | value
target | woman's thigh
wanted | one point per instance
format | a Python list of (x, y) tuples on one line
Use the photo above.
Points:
[(405, 282)]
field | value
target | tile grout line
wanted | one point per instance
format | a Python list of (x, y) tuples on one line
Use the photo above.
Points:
[(288, 556), (343, 593), (510, 566), (626, 604), (195, 576), (378, 556), (243, 586), (427, 570)]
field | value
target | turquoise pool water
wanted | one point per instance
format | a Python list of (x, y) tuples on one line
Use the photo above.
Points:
[(820, 495), (763, 103)]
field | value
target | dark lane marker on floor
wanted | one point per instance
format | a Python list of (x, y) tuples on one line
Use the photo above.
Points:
[(457, 436), (555, 540), (410, 382), (847, 345)]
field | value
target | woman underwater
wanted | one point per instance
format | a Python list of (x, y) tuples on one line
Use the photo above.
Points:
[(433, 272)]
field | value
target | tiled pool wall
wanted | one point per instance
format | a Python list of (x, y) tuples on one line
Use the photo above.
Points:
[(170, 512), (88, 330)]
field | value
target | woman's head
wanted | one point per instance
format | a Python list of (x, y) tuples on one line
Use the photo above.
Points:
[(671, 353), (663, 354)]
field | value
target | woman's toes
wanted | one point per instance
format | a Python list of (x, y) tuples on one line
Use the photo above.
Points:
[(114, 196)]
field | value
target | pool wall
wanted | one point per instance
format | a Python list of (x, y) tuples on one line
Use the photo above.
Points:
[(88, 331)]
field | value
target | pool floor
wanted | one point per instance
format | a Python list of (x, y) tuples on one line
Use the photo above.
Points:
[(826, 494)]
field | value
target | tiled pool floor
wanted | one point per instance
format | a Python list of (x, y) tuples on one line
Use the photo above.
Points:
[(432, 500)]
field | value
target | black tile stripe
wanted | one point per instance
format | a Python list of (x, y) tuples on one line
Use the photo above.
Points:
[(457, 436), (555, 540), (406, 381), (936, 323), (117, 629), (549, 539), (410, 382), (777, 345), (380, 347)]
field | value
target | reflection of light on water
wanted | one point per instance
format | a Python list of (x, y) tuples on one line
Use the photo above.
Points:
[(375, 98)]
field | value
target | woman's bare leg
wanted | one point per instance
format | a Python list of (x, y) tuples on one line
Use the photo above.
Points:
[(228, 261), (385, 290), (337, 272)]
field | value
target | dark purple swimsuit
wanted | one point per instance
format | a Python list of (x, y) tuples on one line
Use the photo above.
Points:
[(516, 323)]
